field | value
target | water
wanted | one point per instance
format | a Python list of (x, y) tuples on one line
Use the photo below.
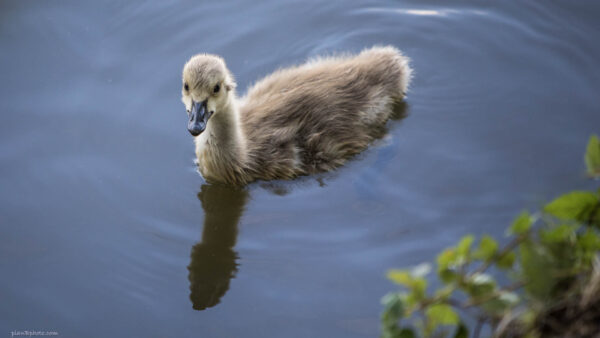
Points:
[(107, 230)]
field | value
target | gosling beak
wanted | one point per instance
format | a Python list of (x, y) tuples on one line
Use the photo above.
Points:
[(198, 118)]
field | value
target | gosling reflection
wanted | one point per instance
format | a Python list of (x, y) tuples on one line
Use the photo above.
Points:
[(213, 261)]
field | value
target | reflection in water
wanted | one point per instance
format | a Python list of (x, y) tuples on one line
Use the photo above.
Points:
[(213, 260)]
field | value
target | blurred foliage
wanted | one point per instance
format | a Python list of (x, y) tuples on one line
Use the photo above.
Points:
[(592, 157), (549, 268)]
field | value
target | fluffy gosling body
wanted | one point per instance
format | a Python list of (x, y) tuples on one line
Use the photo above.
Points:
[(297, 121)]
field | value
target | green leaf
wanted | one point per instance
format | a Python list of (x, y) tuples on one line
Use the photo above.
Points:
[(444, 292), (506, 261), (401, 277), (406, 333), (487, 248), (461, 331), (464, 246), (446, 262), (589, 241), (561, 233), (446, 258), (447, 275), (575, 205), (392, 313), (394, 308), (410, 303), (537, 267), (417, 285), (592, 156), (587, 246), (505, 301), (442, 314), (395, 332), (480, 285), (521, 224)]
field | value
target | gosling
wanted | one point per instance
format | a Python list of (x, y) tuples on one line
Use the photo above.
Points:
[(297, 121)]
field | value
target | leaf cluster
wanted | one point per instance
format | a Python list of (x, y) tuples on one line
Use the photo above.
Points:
[(547, 258)]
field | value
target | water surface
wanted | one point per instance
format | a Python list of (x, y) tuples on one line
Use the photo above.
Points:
[(107, 230)]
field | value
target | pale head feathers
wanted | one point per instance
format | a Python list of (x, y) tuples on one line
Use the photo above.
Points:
[(205, 76)]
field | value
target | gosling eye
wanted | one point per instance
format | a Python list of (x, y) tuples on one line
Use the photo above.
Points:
[(186, 87), (216, 89)]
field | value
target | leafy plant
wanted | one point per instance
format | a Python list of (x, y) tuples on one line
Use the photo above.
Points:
[(592, 157), (549, 268)]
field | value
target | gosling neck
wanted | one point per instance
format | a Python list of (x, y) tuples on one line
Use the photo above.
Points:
[(223, 135)]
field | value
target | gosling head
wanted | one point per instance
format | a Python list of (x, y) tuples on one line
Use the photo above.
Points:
[(205, 90)]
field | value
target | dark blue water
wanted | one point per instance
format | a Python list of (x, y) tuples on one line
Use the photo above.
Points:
[(108, 231)]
